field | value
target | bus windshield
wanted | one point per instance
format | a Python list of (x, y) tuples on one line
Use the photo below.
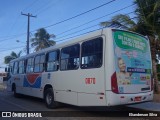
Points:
[(132, 62)]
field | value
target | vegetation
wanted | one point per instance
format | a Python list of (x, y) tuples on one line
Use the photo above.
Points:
[(42, 40), (12, 56), (146, 22)]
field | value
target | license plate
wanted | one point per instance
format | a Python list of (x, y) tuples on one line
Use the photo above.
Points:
[(137, 99)]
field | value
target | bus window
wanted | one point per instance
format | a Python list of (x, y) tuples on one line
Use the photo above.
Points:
[(21, 67), (15, 69), (11, 67), (70, 57), (92, 53), (39, 63), (30, 62), (52, 61)]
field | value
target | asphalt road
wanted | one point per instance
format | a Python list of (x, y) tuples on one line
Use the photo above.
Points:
[(26, 104)]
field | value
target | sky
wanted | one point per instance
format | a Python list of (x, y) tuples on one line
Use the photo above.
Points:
[(54, 16)]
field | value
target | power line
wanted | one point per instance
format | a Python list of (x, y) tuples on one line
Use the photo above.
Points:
[(88, 21), (95, 19), (82, 30), (76, 15), (79, 14), (79, 31), (40, 7), (30, 5), (77, 35), (40, 10), (13, 36), (85, 32), (84, 23), (11, 48), (68, 37), (14, 23)]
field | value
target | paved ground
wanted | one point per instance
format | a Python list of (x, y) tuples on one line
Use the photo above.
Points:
[(9, 103), (149, 106)]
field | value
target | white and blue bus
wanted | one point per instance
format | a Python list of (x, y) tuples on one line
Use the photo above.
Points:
[(106, 67)]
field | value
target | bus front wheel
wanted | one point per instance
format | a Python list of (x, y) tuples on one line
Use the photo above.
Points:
[(15, 91), (49, 99)]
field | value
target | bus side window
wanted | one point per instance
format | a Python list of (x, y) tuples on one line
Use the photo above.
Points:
[(39, 63), (11, 67), (70, 57), (92, 53), (29, 64), (53, 61), (42, 63), (15, 68), (21, 67)]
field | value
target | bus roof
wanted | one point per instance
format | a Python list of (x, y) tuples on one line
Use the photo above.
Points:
[(82, 37)]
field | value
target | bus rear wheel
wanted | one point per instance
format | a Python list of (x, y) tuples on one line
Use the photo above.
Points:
[(49, 99)]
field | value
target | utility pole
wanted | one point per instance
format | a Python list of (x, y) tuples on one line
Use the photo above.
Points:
[(28, 15)]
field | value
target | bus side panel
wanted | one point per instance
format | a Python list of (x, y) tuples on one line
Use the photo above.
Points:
[(66, 97), (18, 80), (85, 99), (92, 85), (58, 82), (63, 84), (80, 85)]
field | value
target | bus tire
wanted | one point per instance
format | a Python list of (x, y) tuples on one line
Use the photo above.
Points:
[(14, 92), (49, 99)]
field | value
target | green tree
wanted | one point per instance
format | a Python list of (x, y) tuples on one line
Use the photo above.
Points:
[(42, 40), (12, 56), (147, 23)]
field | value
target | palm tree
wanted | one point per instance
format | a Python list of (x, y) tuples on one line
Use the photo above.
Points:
[(12, 56), (41, 40), (148, 24)]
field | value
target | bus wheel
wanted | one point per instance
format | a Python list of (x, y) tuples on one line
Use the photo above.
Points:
[(49, 99), (14, 91)]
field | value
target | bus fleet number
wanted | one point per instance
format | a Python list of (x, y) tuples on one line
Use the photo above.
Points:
[(90, 80)]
